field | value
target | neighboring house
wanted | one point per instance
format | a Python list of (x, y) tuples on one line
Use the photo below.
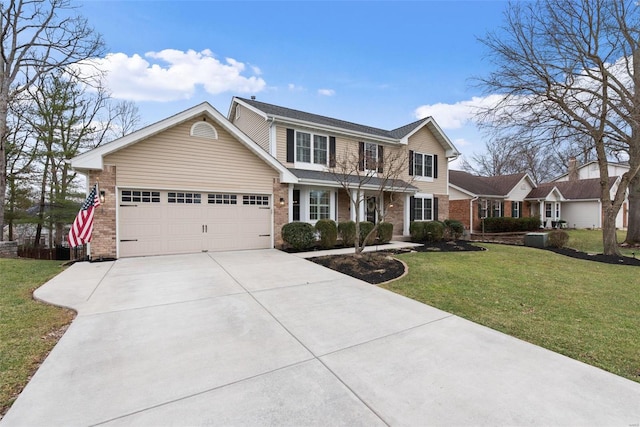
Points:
[(472, 197), (590, 170), (577, 202), (575, 196), (197, 181)]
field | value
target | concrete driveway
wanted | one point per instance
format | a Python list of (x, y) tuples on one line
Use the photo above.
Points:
[(267, 338)]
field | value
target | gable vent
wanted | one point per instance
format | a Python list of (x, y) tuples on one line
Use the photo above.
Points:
[(204, 130)]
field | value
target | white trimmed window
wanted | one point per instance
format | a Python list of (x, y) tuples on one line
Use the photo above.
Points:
[(422, 209), (370, 156), (423, 165), (319, 204), (312, 148)]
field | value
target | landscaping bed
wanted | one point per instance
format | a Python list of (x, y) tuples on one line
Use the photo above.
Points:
[(380, 267)]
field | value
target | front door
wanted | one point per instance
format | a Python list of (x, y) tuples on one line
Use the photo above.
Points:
[(371, 214)]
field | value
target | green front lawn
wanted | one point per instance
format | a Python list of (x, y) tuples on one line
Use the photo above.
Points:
[(590, 241), (27, 327), (583, 309)]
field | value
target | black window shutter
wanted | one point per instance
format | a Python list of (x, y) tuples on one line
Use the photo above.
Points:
[(410, 162), (412, 208), (291, 145), (435, 209), (332, 151), (380, 158), (361, 156), (502, 208), (435, 166)]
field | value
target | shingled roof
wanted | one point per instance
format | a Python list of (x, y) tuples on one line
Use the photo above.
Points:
[(319, 176), (290, 113), (583, 189), (497, 186)]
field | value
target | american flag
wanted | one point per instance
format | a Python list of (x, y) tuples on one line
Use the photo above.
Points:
[(82, 227)]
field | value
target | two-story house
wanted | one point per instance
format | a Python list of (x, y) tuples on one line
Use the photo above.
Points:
[(199, 181)]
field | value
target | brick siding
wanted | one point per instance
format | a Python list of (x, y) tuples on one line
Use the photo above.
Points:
[(103, 240)]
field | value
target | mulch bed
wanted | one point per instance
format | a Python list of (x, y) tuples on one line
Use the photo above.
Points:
[(379, 267), (372, 267), (608, 259)]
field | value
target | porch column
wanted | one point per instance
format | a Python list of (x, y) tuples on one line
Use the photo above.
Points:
[(407, 214), (541, 213)]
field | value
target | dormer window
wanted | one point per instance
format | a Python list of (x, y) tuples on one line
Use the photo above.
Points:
[(203, 130)]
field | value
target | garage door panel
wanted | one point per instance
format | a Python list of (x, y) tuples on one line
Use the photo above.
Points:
[(170, 228)]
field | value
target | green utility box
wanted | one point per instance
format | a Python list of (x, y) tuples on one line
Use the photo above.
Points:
[(536, 240)]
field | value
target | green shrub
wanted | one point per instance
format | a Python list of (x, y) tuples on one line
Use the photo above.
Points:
[(347, 231), (365, 228), (385, 232), (508, 224), (328, 231), (453, 229), (558, 239), (300, 235), (434, 231), (416, 230)]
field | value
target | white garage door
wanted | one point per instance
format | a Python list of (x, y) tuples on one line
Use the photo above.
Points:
[(171, 222)]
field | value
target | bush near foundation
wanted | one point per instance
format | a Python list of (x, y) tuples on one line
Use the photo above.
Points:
[(328, 231), (508, 224), (385, 232), (347, 232), (300, 235), (453, 229), (365, 228), (434, 231)]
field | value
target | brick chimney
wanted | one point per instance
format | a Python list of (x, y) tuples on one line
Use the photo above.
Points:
[(573, 169)]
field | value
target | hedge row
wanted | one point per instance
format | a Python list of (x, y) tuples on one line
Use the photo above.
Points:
[(303, 236), (507, 224), (434, 231)]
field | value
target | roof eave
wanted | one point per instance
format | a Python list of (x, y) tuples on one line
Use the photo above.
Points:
[(305, 123)]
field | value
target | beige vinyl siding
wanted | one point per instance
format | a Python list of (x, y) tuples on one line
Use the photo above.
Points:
[(281, 145), (425, 142), (175, 160), (253, 125)]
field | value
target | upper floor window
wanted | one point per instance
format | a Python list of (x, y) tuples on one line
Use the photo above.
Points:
[(370, 156), (311, 148), (423, 165)]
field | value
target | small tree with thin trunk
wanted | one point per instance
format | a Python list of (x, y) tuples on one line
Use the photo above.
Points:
[(382, 175)]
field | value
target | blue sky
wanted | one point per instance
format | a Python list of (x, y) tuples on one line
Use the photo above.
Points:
[(383, 64)]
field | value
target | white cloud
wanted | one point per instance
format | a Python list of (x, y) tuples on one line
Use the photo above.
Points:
[(294, 88), (455, 116), (461, 142), (326, 92), (171, 75)]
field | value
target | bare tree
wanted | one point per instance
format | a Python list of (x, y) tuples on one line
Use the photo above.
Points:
[(569, 69), (126, 118), (37, 37), (380, 176)]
